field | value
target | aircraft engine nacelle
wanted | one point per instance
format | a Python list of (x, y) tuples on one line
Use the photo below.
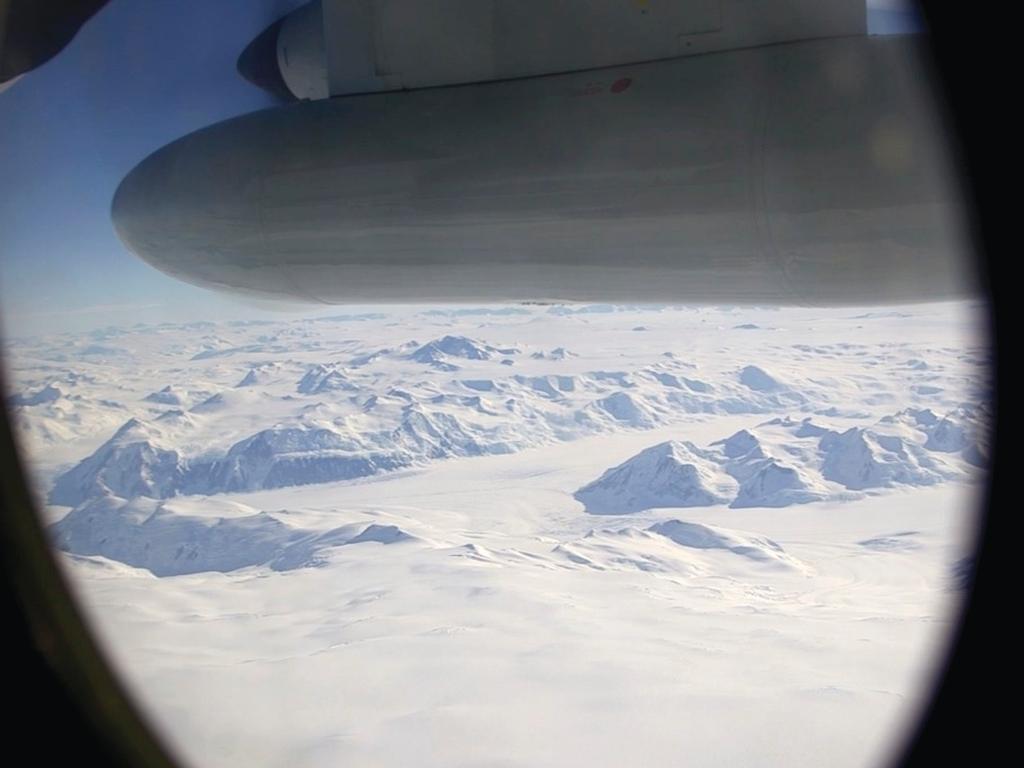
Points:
[(813, 172), (341, 47)]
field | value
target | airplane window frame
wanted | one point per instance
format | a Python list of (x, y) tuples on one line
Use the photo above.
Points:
[(69, 684)]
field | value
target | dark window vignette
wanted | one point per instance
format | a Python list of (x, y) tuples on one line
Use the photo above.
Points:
[(969, 54)]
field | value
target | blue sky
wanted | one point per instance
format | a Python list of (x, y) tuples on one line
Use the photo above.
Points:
[(138, 75)]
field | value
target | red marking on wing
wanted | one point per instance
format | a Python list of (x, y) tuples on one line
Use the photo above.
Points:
[(620, 85)]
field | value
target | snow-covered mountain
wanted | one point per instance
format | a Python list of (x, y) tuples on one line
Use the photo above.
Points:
[(260, 517), (439, 352), (48, 394), (780, 463), (169, 395), (320, 379), (253, 419), (145, 533), (670, 474), (331, 440), (697, 536), (861, 458), (133, 462)]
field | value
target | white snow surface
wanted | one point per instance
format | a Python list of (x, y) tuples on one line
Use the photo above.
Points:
[(519, 536)]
